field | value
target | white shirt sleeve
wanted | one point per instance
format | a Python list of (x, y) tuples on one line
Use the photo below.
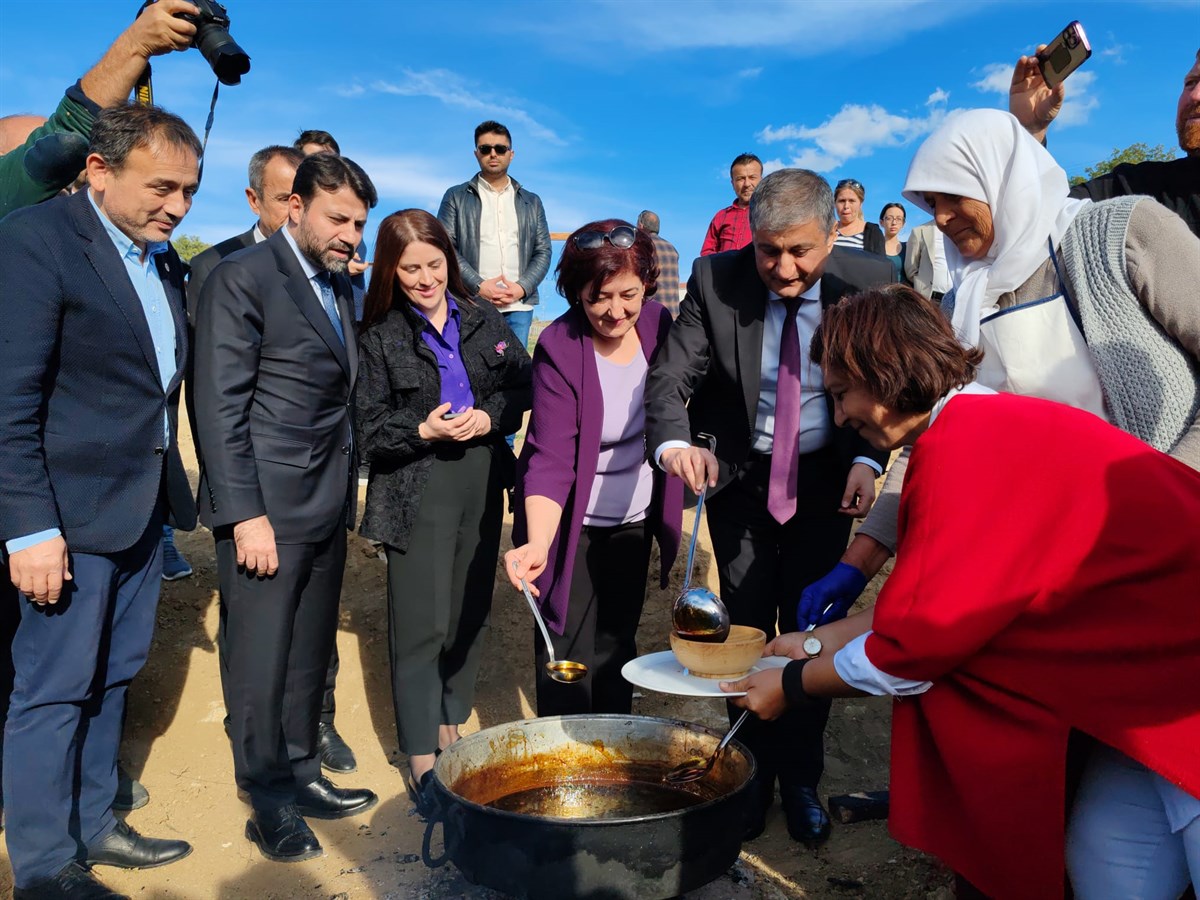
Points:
[(856, 670)]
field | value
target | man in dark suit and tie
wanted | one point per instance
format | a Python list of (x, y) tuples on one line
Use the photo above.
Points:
[(271, 173), (274, 381), (784, 484), (94, 348)]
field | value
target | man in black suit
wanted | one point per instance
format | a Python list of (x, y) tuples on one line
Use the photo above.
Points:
[(95, 345), (274, 381), (736, 366), (271, 173)]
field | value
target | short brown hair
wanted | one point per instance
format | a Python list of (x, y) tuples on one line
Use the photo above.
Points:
[(896, 345), (580, 269)]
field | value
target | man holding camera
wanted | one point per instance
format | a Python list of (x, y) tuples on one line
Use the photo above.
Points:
[(95, 347), (53, 152)]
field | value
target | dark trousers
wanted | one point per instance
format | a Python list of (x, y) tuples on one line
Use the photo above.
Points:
[(763, 567), (277, 634), (328, 705), (10, 618), (440, 595), (608, 590), (73, 663)]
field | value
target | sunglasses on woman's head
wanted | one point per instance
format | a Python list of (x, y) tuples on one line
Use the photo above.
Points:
[(850, 183), (622, 237)]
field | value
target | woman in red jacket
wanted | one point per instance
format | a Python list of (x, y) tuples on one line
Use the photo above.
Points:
[(1046, 597)]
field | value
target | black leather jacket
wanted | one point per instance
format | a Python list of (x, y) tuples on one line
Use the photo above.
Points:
[(460, 212)]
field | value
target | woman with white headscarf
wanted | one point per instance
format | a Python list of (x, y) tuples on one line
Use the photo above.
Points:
[(1096, 305)]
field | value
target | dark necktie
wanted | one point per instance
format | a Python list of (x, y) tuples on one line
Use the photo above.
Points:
[(329, 302), (785, 452)]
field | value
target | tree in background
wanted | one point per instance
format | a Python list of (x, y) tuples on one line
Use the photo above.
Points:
[(1134, 153), (188, 245)]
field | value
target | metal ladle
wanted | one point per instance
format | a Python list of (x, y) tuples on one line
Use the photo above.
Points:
[(563, 671), (698, 614), (697, 767)]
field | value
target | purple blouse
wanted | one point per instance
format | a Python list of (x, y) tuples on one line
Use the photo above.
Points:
[(456, 386)]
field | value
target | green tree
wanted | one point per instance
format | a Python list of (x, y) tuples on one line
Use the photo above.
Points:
[(188, 245), (1134, 153)]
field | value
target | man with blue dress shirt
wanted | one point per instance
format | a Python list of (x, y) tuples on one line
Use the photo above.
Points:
[(94, 346)]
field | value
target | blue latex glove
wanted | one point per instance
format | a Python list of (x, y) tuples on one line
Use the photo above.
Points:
[(829, 598)]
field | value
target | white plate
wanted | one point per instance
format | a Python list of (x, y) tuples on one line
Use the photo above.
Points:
[(662, 672)]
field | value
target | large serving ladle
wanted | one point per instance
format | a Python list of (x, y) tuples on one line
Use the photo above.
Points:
[(698, 614), (697, 767), (563, 671)]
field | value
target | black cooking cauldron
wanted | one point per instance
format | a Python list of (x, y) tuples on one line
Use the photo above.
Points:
[(575, 807)]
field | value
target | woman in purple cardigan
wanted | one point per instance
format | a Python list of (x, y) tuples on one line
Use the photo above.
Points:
[(590, 503)]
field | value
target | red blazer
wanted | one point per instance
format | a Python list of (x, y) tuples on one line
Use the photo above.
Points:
[(1046, 581)]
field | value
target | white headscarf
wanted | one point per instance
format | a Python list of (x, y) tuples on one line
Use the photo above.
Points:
[(986, 155)]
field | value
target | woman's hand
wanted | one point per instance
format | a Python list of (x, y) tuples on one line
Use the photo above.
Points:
[(528, 562), (460, 428), (859, 496), (790, 645), (1034, 103), (480, 423)]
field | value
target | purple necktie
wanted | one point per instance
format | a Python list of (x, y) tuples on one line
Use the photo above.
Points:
[(785, 454)]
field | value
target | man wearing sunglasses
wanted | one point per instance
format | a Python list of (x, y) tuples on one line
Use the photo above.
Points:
[(785, 484), (499, 231)]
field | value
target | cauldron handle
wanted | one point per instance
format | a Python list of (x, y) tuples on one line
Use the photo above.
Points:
[(435, 819)]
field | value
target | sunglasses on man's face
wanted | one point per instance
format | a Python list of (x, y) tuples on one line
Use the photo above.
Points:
[(488, 149), (622, 237)]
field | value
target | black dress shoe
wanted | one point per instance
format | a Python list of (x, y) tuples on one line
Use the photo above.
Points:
[(762, 795), (131, 793), (282, 835), (324, 800), (807, 821), (73, 883), (420, 792), (126, 849), (336, 755)]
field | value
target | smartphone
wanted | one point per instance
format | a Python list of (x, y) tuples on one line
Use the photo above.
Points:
[(1064, 54), (446, 417)]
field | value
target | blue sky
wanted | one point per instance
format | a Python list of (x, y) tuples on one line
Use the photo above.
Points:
[(617, 105)]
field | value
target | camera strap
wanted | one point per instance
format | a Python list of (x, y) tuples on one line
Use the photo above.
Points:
[(143, 92)]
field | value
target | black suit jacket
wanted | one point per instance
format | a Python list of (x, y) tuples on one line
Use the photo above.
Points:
[(274, 389), (706, 377), (81, 401), (203, 263)]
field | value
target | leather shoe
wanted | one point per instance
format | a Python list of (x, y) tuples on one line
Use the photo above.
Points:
[(282, 835), (131, 793), (336, 755), (762, 795), (74, 882), (126, 849), (420, 792), (324, 800), (807, 821)]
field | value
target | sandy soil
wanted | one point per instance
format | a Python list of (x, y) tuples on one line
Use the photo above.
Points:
[(175, 743)]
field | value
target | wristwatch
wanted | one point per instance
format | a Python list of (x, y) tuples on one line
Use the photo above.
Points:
[(812, 646)]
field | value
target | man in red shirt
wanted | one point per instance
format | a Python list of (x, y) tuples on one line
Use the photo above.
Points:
[(730, 227)]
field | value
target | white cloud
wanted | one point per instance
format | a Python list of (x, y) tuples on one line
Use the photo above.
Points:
[(419, 180), (938, 97), (1079, 102), (454, 90), (996, 79), (852, 132), (753, 72)]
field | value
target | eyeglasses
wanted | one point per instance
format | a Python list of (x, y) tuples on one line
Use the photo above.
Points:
[(850, 183), (488, 149), (621, 237), (899, 219)]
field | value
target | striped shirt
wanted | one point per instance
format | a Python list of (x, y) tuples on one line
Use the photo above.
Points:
[(849, 240)]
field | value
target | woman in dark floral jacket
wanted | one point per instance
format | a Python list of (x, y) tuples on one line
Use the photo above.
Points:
[(441, 380)]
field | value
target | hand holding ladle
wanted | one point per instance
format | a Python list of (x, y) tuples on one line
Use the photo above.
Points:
[(563, 671)]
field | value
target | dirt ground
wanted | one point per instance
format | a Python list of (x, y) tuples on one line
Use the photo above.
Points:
[(175, 744)]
